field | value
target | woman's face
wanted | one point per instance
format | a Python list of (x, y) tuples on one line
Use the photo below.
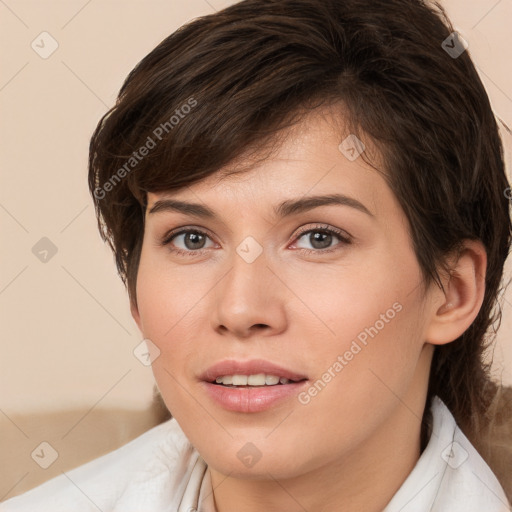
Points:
[(281, 285)]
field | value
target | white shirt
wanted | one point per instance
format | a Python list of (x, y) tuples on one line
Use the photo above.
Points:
[(160, 471)]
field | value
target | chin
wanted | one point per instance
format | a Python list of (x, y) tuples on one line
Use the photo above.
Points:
[(247, 463)]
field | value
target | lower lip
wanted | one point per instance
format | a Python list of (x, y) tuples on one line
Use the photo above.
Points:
[(252, 399)]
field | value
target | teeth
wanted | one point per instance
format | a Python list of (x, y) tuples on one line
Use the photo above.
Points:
[(270, 380), (256, 380), (239, 380), (259, 379), (228, 379)]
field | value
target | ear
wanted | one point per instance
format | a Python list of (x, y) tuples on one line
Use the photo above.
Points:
[(135, 314), (456, 309)]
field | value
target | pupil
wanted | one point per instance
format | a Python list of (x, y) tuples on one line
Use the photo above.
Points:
[(317, 236), (195, 238)]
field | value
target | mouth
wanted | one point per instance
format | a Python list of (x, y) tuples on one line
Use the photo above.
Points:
[(258, 380), (253, 373), (251, 386)]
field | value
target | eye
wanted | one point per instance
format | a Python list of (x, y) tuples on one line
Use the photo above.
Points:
[(321, 237), (192, 240)]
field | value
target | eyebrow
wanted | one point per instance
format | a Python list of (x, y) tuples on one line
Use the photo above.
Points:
[(284, 209)]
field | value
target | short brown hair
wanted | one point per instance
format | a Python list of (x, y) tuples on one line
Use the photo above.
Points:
[(249, 70)]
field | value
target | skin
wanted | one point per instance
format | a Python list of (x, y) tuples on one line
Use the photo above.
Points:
[(352, 445)]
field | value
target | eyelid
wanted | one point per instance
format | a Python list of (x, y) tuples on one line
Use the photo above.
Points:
[(344, 235), (172, 233)]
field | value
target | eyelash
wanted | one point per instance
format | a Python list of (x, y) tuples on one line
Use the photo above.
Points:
[(343, 237)]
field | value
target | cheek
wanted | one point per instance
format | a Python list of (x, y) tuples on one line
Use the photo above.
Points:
[(165, 322), (350, 305), (374, 331), (171, 307), (160, 314), (359, 375), (165, 299)]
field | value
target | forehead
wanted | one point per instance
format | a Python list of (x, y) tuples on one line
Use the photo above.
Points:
[(315, 157)]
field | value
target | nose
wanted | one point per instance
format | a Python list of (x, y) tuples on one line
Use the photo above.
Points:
[(249, 300)]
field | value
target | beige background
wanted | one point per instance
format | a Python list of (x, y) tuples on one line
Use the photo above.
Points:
[(66, 330)]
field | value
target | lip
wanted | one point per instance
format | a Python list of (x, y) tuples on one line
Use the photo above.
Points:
[(250, 400)]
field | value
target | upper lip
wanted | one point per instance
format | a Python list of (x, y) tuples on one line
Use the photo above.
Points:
[(252, 367)]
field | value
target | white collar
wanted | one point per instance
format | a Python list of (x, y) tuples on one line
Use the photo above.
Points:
[(450, 474)]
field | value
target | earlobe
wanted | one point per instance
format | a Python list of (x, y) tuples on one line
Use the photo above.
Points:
[(463, 298)]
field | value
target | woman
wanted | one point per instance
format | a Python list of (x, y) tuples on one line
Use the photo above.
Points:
[(306, 201)]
